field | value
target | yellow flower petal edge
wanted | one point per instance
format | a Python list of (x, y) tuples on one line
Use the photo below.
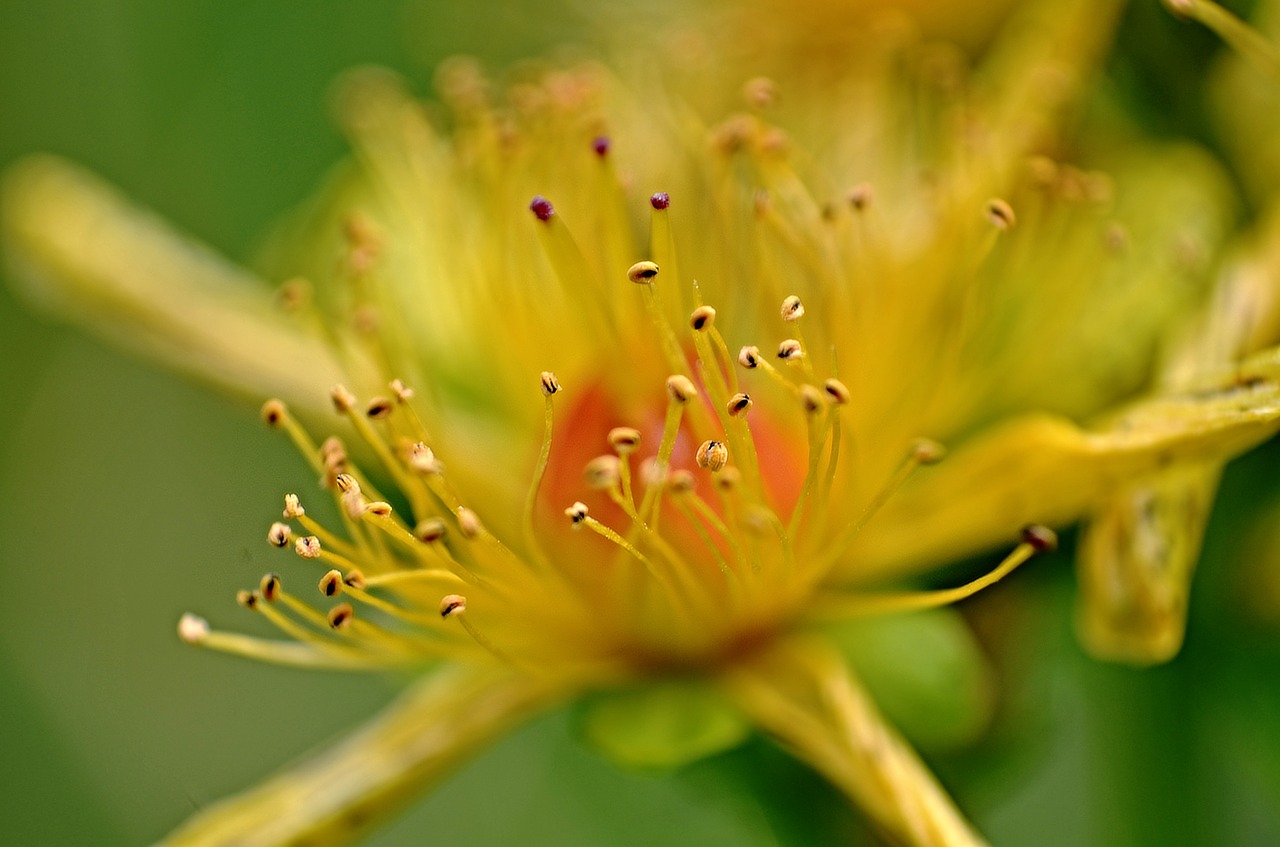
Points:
[(802, 693), (1047, 468), (333, 797)]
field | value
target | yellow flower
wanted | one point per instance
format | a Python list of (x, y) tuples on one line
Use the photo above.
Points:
[(670, 423)]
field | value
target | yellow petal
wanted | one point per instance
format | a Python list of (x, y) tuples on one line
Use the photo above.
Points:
[(84, 251), (1046, 469), (335, 796), (803, 694)]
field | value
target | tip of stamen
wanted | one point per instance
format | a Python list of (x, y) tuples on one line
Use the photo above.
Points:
[(541, 208), (728, 479), (926, 451), (577, 512), (247, 599), (308, 547), (355, 579), (469, 523), (378, 507), (292, 507), (811, 399), (837, 391), (274, 412), (452, 604), (680, 388), (342, 399), (341, 615), (347, 483), (1000, 214), (403, 392), (1041, 538), (790, 349), (430, 530), (279, 535), (681, 482), (624, 439), (378, 408), (792, 308), (550, 385), (660, 200), (702, 318), (860, 196), (422, 459), (712, 455), (601, 146), (331, 583), (749, 357), (602, 472), (642, 273), (738, 404), (760, 92), (192, 629), (269, 587)]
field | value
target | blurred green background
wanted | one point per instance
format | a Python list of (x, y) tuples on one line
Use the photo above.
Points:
[(128, 496)]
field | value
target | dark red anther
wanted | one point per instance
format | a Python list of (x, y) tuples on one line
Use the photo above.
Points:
[(541, 208), (660, 201), (601, 146)]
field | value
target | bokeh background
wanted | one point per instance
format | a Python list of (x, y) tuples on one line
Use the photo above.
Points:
[(128, 496)]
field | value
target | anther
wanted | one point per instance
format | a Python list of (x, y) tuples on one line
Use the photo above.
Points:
[(749, 357), (728, 479), (541, 208), (331, 583), (355, 579), (660, 200), (681, 481), (837, 391), (602, 472), (680, 388), (378, 507), (738, 404), (292, 508), (346, 483), (760, 92), (273, 412), (378, 408), (792, 308), (279, 535), (308, 547), (811, 399), (269, 587), (702, 318), (860, 196), (1040, 538), (341, 615), (192, 628), (469, 523), (712, 455), (430, 530), (926, 451), (624, 439), (1000, 214), (403, 392), (577, 512), (550, 385), (642, 273), (422, 459), (342, 399), (452, 604), (790, 349), (247, 599), (601, 146)]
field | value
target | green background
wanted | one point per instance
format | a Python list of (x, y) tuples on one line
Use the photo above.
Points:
[(128, 496)]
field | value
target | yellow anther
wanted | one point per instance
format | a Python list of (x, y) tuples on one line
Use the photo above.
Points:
[(279, 535), (269, 587), (624, 439), (577, 512), (702, 318), (738, 404), (308, 547), (341, 615), (602, 472), (790, 349), (430, 530), (1000, 214), (681, 389), (452, 604), (837, 391), (749, 357), (343, 400), (792, 308), (712, 455), (331, 583), (642, 273), (550, 385)]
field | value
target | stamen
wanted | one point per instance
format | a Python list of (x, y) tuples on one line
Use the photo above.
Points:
[(331, 583), (792, 308), (712, 455), (680, 391), (550, 387), (702, 318), (276, 415), (645, 274), (1243, 38), (1035, 539), (790, 350), (455, 606), (1001, 214), (341, 616), (739, 404), (279, 535)]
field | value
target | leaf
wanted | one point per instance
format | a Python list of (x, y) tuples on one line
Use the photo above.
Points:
[(662, 725)]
